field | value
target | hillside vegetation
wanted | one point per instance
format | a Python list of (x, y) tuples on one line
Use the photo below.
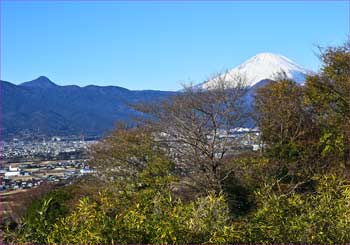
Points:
[(173, 179)]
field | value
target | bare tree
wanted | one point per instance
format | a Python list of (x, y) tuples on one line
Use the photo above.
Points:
[(195, 126)]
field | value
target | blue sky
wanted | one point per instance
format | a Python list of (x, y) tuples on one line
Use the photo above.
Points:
[(159, 45)]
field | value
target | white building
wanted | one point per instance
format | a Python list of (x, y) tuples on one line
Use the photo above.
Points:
[(13, 169), (12, 173)]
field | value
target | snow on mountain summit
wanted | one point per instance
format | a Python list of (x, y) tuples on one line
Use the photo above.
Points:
[(262, 66)]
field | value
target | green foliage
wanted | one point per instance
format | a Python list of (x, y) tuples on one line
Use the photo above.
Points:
[(52, 205), (40, 217), (132, 156), (290, 152), (321, 217), (239, 196), (157, 219), (328, 97), (84, 225), (288, 129), (210, 221), (282, 117), (332, 142)]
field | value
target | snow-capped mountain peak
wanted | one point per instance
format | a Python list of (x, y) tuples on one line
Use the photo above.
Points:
[(260, 67)]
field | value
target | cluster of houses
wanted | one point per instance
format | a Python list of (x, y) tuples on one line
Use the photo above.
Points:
[(29, 163), (55, 148), (26, 175), (9, 184), (235, 140)]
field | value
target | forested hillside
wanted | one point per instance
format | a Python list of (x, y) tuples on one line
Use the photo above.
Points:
[(41, 107)]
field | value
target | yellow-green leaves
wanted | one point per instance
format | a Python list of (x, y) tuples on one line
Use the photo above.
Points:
[(321, 217), (84, 225)]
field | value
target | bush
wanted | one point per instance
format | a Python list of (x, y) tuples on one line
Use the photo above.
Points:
[(40, 217), (156, 219), (321, 217)]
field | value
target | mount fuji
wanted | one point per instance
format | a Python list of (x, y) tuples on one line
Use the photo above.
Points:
[(255, 73), (263, 66)]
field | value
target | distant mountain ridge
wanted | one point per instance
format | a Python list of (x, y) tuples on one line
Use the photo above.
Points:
[(43, 107), (40, 82)]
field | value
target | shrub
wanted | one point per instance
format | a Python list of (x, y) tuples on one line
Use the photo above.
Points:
[(321, 217)]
